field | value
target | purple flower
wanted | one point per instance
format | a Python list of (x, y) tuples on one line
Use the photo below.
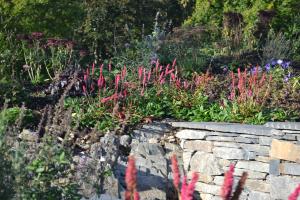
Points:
[(285, 65), (225, 69), (268, 67), (253, 70), (287, 77), (273, 62)]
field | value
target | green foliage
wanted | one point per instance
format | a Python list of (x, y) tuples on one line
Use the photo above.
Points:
[(50, 174), (54, 18), (8, 117), (10, 57)]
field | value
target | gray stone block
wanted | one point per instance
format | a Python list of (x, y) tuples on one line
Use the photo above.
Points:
[(253, 195), (206, 163), (198, 145), (290, 169), (227, 144), (220, 138), (258, 185), (251, 174), (229, 153), (253, 165), (274, 167), (290, 137), (207, 188), (282, 186), (192, 134), (246, 140), (291, 131), (258, 149), (264, 159), (186, 157), (266, 141), (284, 125)]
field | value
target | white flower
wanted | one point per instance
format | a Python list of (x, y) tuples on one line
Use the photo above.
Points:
[(279, 62)]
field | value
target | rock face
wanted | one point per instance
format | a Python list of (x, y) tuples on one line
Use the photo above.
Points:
[(152, 170), (205, 163), (270, 154), (283, 186)]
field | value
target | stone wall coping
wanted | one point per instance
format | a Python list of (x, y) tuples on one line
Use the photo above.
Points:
[(284, 125), (229, 128)]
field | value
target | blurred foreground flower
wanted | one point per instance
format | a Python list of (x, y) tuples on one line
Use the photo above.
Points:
[(130, 179)]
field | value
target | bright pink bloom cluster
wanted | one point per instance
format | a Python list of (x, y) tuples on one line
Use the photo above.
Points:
[(228, 183), (295, 194), (187, 190), (130, 179)]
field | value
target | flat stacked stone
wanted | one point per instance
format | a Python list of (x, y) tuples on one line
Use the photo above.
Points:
[(269, 153)]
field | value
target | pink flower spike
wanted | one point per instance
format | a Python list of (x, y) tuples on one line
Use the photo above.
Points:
[(167, 69), (140, 72), (175, 171), (130, 175), (124, 72), (136, 196), (185, 85), (184, 188), (228, 183), (295, 194), (170, 71), (109, 66), (93, 69), (173, 77), (191, 187), (101, 69), (149, 76), (87, 71), (117, 80), (145, 77), (156, 65), (174, 63), (106, 99), (84, 89), (161, 76)]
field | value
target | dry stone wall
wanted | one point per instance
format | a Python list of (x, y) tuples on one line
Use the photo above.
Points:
[(270, 154)]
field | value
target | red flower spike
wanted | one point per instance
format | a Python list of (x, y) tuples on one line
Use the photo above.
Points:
[(228, 183), (175, 171), (149, 76), (130, 179), (191, 187), (184, 188), (136, 196), (101, 69), (93, 69), (117, 80), (295, 194), (174, 63), (109, 66), (140, 72), (167, 69)]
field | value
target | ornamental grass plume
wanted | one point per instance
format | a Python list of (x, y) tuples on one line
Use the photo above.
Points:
[(295, 194), (130, 179), (228, 183)]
